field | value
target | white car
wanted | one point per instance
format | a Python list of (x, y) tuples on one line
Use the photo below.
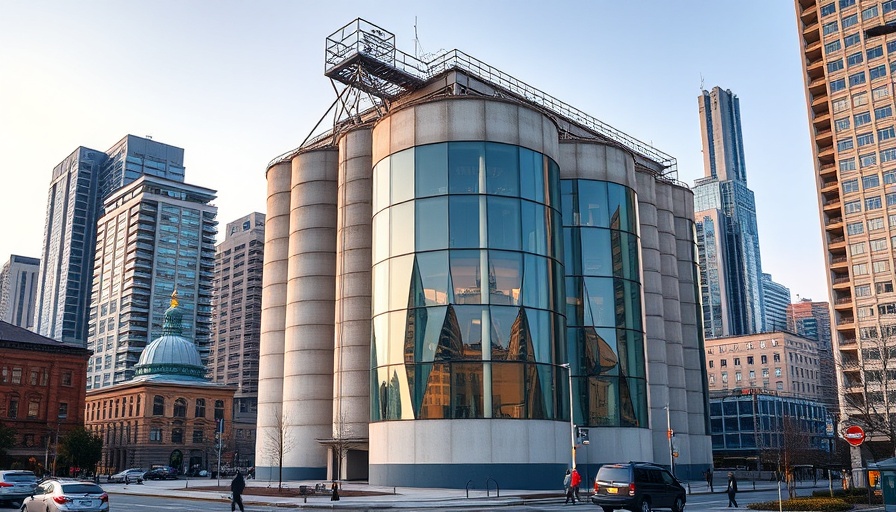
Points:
[(66, 496), (133, 475), (16, 485)]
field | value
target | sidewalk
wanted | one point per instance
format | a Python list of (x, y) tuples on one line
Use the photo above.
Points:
[(396, 497)]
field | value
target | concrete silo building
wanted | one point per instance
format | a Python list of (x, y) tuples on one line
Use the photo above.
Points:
[(450, 267)]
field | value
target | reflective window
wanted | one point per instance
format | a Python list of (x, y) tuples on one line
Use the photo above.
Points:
[(502, 172), (532, 172), (431, 170), (402, 176), (402, 229), (463, 221), (503, 223), (431, 223), (464, 162)]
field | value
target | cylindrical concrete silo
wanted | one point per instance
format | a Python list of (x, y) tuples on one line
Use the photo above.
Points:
[(351, 372), (310, 299), (273, 313)]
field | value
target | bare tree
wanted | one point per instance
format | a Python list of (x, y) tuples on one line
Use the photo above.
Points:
[(343, 441), (869, 382), (278, 443)]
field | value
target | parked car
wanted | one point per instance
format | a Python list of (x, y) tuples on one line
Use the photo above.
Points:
[(64, 495), (637, 486), (133, 475), (16, 485), (161, 473)]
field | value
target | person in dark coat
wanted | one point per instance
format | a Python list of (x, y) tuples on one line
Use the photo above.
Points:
[(732, 489), (567, 488), (237, 485), (709, 479), (335, 489)]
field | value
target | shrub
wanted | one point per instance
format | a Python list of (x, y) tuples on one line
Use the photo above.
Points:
[(854, 495), (806, 503)]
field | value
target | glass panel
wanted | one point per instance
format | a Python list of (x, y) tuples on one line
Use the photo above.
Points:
[(574, 310), (555, 230), (463, 223), (543, 334), (505, 277), (431, 170), (625, 255), (599, 302), (569, 202), (592, 203), (618, 206), (466, 390), (531, 175), (380, 342), (393, 396), (400, 281), (436, 403), (403, 176), (534, 227), (503, 223), (508, 388), (502, 169), (597, 257), (552, 183), (630, 345), (432, 223), (380, 239), (572, 250), (598, 351), (402, 229), (603, 401), (536, 284), (469, 326), (465, 277), (380, 292), (633, 402), (503, 326), (381, 185), (399, 331), (432, 321), (464, 161), (432, 272)]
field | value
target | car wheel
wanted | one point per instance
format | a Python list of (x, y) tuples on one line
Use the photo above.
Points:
[(644, 506), (678, 506)]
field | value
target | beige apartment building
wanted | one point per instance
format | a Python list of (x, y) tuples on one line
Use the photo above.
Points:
[(849, 95), (776, 361)]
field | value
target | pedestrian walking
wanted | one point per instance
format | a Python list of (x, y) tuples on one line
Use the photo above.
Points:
[(709, 479), (335, 488), (237, 485), (575, 480), (567, 487), (732, 490)]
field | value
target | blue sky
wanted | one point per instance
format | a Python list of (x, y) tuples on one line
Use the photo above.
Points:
[(237, 83)]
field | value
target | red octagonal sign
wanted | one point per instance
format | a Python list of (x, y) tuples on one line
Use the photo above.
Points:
[(854, 435)]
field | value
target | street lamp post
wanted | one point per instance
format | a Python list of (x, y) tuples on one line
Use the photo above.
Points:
[(669, 434), (572, 426)]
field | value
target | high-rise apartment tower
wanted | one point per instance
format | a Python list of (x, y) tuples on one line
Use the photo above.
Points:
[(155, 236), (849, 96)]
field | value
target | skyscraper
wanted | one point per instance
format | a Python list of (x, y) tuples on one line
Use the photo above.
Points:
[(849, 97), (77, 191), (18, 290), (155, 236), (452, 281), (725, 215), (236, 319), (812, 320), (776, 299)]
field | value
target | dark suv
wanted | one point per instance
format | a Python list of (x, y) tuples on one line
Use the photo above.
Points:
[(637, 486)]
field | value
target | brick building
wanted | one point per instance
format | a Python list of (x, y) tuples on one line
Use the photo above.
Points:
[(42, 392)]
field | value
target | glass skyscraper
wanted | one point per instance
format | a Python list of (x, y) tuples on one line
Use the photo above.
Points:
[(78, 188), (727, 234)]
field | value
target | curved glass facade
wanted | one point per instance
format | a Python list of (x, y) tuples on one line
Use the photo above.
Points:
[(605, 332), (467, 284)]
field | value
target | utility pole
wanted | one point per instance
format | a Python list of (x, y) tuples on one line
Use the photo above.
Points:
[(572, 426), (669, 434)]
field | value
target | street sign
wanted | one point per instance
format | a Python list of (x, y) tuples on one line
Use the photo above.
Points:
[(854, 435)]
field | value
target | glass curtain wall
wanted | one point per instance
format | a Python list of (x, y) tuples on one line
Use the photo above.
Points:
[(467, 284), (603, 304)]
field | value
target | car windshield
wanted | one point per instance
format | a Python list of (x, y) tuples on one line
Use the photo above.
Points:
[(81, 489), (606, 474), (20, 477)]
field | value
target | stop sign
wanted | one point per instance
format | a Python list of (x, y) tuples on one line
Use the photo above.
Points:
[(854, 435)]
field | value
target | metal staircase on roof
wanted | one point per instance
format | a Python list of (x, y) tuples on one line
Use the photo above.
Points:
[(363, 56)]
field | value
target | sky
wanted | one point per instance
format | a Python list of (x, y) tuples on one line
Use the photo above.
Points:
[(236, 83)]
